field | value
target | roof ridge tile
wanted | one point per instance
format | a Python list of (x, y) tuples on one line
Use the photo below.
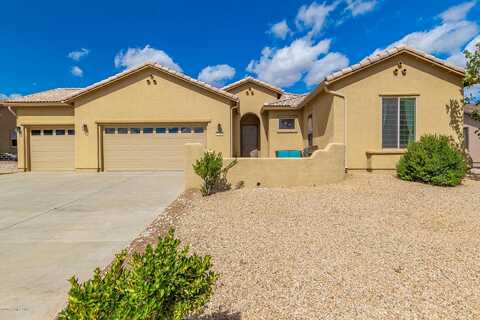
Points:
[(258, 81)]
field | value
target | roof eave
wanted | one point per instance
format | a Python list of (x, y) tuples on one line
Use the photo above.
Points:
[(411, 52), (252, 80), (331, 80), (34, 104), (313, 94), (143, 67), (279, 108)]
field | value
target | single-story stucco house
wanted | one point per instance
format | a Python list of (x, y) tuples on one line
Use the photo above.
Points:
[(140, 119), (471, 129)]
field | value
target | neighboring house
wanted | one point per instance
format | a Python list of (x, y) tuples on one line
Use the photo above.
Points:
[(8, 134), (141, 118), (471, 131)]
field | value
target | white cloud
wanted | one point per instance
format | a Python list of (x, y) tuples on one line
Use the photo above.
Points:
[(285, 66), (332, 62), (449, 38), (458, 12), (359, 7), (76, 71), (280, 30), (459, 57), (314, 16), (136, 56), (216, 75), (79, 54)]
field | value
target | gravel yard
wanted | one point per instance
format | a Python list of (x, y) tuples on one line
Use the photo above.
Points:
[(371, 247)]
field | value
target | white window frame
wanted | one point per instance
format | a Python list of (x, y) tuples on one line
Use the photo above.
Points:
[(398, 119)]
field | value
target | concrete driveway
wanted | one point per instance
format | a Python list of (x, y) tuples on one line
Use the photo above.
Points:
[(55, 225)]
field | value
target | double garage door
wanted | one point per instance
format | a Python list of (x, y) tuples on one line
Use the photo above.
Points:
[(139, 147), (148, 147)]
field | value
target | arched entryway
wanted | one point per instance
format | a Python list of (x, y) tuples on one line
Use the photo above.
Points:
[(249, 135)]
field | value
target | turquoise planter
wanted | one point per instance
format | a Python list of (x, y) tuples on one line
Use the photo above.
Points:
[(288, 154)]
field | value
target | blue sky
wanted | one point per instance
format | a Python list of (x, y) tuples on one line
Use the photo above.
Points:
[(293, 44)]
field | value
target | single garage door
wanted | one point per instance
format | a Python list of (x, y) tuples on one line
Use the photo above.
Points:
[(52, 149), (148, 147)]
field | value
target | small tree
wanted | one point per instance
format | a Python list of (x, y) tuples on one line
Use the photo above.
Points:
[(472, 70), (472, 77), (210, 168)]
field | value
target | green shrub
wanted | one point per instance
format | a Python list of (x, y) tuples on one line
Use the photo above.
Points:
[(210, 168), (432, 160), (162, 283)]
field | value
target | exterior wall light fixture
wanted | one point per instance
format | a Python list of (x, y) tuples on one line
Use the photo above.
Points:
[(219, 129)]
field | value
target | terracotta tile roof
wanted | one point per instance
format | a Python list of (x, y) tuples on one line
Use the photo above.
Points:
[(161, 68), (53, 95), (371, 60), (254, 80), (386, 54), (290, 100), (67, 94)]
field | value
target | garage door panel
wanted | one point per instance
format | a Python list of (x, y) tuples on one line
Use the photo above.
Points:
[(147, 151), (146, 147), (52, 152)]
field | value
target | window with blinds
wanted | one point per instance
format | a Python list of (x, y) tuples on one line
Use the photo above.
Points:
[(398, 122)]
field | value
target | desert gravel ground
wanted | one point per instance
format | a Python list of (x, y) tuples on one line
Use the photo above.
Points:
[(371, 247)]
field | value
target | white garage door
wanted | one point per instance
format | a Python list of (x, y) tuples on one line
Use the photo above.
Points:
[(148, 147), (52, 149)]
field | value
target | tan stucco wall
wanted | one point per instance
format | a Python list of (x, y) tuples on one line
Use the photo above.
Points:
[(324, 166), (252, 98), (328, 120), (285, 139), (132, 100), (28, 117), (473, 139), (432, 86), (321, 109), (7, 124)]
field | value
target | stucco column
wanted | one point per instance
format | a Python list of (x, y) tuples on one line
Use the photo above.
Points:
[(338, 120), (193, 151)]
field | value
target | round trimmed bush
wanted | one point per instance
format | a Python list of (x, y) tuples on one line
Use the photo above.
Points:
[(432, 160)]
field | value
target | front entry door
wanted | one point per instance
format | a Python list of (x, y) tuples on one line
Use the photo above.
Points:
[(249, 139)]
